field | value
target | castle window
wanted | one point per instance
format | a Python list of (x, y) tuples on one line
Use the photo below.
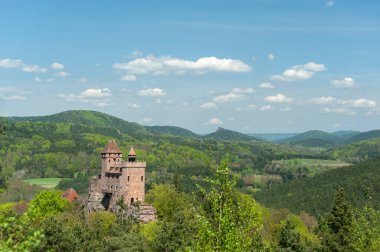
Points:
[(142, 178), (128, 178), (132, 200)]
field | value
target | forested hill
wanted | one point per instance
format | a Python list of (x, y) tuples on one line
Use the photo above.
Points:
[(228, 135), (315, 195), (173, 130), (68, 145), (84, 117)]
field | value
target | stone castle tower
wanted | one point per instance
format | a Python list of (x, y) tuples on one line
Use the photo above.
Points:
[(119, 179)]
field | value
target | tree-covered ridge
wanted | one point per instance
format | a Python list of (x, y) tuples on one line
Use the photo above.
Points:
[(315, 195), (228, 135), (69, 147), (173, 130)]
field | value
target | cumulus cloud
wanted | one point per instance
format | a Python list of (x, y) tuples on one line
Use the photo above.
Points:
[(151, 92), (300, 72), (265, 108), (279, 98), (208, 105), (346, 82), (128, 77), (10, 63), (323, 100), (96, 92), (57, 66), (343, 111), (343, 103), (214, 121), (133, 105), (358, 103), (165, 65), (271, 56), (243, 91), (266, 85), (62, 74), (16, 63), (228, 97), (34, 69), (12, 94), (96, 96), (236, 94)]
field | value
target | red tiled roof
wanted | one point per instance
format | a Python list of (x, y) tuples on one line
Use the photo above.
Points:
[(70, 194), (112, 147)]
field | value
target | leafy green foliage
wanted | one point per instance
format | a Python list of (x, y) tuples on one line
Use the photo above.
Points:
[(46, 203), (16, 233), (227, 220), (228, 135)]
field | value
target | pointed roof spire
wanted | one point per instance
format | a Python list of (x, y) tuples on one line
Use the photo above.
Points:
[(112, 148), (132, 152)]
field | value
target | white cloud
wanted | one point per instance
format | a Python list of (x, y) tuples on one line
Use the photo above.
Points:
[(16, 63), (62, 74), (300, 72), (209, 105), (228, 97), (279, 98), (34, 69), (265, 108), (346, 82), (314, 67), (37, 79), (330, 3), (133, 105), (97, 96), (57, 66), (323, 100), (343, 111), (12, 94), (165, 65), (151, 92), (147, 120), (243, 91), (96, 93), (271, 56), (358, 103), (214, 121), (128, 77), (266, 85), (10, 63)]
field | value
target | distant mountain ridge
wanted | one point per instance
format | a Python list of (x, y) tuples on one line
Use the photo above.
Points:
[(311, 138), (229, 135)]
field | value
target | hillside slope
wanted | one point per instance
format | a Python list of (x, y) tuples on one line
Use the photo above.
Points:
[(315, 195), (228, 135)]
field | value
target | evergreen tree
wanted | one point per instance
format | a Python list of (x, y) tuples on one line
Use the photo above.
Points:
[(335, 230)]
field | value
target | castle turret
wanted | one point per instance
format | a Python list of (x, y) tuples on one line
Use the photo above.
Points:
[(132, 155), (110, 156)]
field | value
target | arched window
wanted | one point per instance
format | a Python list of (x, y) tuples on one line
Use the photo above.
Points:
[(132, 200), (128, 178), (142, 178)]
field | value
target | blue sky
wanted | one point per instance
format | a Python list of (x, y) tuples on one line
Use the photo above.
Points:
[(250, 66)]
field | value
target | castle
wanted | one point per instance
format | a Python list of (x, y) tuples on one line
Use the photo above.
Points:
[(118, 181)]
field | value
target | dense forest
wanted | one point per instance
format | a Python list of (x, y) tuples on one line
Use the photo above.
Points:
[(225, 191)]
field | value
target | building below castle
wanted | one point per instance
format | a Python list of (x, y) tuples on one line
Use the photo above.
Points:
[(119, 181)]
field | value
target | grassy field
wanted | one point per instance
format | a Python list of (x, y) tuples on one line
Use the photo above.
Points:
[(44, 182), (313, 165)]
